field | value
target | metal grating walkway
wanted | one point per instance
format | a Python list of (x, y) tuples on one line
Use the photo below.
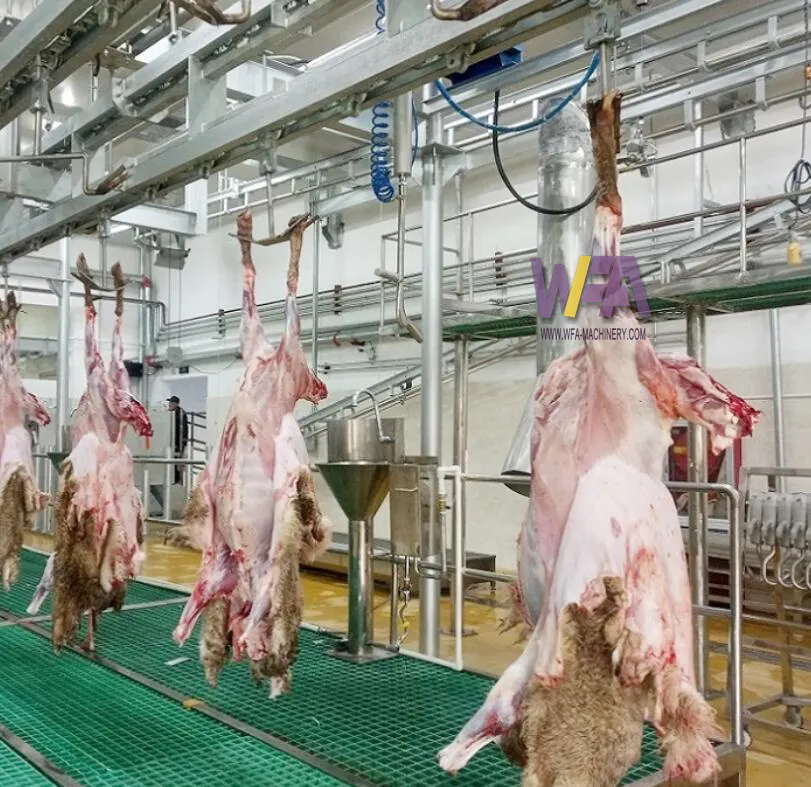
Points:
[(382, 723)]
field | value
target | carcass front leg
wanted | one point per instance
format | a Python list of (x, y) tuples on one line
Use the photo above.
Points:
[(214, 640), (44, 587), (89, 644), (499, 714)]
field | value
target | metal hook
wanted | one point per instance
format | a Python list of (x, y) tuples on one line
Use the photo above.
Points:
[(808, 576), (781, 566), (763, 566), (797, 562)]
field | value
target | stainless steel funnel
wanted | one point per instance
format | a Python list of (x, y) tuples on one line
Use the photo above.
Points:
[(359, 487), (359, 451)]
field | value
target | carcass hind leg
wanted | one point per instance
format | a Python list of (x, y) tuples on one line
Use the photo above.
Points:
[(11, 571), (214, 640), (65, 620)]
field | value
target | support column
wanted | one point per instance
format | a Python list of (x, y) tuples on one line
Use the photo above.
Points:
[(777, 394), (431, 545), (697, 473), (315, 305), (63, 347)]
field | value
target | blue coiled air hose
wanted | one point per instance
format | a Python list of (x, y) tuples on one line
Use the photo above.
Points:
[(382, 186)]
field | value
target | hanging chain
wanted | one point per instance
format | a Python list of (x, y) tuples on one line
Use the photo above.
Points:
[(405, 595)]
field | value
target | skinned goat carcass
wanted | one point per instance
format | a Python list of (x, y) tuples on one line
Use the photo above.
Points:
[(254, 509), (20, 500), (99, 513), (598, 509)]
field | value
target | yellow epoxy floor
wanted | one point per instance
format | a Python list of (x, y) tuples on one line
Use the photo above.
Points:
[(776, 758)]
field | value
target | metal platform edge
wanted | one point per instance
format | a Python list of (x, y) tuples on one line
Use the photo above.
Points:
[(36, 759), (732, 760), (719, 294)]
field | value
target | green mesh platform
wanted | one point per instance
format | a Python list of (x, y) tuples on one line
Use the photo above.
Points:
[(103, 730), (16, 772), (32, 564), (385, 721)]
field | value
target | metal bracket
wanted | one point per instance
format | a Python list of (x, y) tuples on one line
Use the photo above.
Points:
[(332, 228), (457, 59), (602, 25), (121, 102)]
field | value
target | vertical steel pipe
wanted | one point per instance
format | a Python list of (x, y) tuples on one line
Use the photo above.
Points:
[(775, 343), (148, 320), (697, 515), (63, 346), (698, 170), (431, 546), (742, 198), (168, 471), (736, 622), (459, 564), (360, 594), (460, 422), (394, 599), (315, 298)]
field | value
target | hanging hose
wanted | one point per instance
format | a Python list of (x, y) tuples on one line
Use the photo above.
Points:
[(380, 157), (497, 129), (380, 154)]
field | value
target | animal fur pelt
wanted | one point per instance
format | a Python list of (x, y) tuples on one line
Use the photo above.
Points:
[(586, 730)]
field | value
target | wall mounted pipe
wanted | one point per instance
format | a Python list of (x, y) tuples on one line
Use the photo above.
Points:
[(111, 181), (742, 198)]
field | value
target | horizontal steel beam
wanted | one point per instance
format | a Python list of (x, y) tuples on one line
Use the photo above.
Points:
[(159, 217), (571, 53), (642, 103), (80, 52), (164, 81), (382, 68), (33, 34), (739, 76)]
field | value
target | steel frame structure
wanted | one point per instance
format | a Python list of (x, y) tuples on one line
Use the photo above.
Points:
[(380, 68)]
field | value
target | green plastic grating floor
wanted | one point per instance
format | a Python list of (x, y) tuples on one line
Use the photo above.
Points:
[(383, 721), (17, 772)]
